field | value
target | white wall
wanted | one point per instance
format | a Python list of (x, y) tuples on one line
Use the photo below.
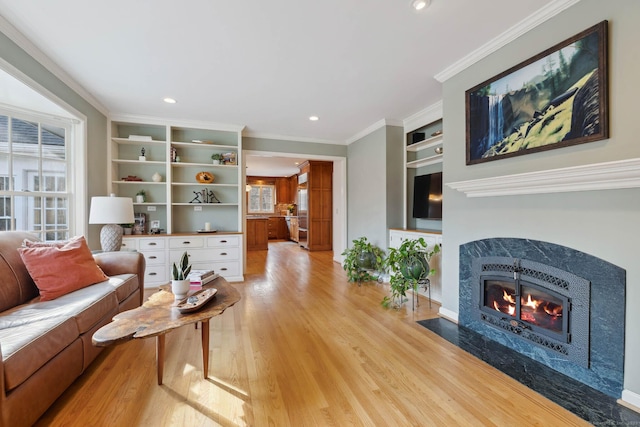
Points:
[(605, 224)]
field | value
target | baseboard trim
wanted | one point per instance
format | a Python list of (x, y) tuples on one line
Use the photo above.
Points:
[(630, 400), (448, 314)]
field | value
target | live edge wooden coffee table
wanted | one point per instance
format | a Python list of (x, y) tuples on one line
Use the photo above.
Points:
[(159, 315)]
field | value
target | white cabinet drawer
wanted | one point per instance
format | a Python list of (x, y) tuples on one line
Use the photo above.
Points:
[(186, 242), (197, 255), (220, 254), (154, 257), (150, 244), (223, 241), (129, 245), (155, 274), (227, 268)]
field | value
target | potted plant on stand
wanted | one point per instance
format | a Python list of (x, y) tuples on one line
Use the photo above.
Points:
[(362, 260), (409, 267), (180, 277)]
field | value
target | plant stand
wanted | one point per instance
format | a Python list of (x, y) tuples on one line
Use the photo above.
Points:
[(426, 285)]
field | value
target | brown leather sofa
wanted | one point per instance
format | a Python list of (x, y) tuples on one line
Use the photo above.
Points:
[(46, 345)]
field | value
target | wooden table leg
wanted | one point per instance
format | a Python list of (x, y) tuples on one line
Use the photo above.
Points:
[(160, 356), (205, 347)]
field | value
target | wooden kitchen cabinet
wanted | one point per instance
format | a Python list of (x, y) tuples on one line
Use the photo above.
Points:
[(277, 228), (257, 234), (283, 191), (320, 204)]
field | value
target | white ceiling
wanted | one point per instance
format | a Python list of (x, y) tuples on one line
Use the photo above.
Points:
[(268, 65)]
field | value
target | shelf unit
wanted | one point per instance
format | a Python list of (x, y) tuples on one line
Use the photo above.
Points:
[(171, 201), (433, 142), (421, 158)]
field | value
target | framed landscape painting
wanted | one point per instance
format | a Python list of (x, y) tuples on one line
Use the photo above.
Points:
[(555, 99)]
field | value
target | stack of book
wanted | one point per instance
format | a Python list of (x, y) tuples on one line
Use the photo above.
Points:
[(198, 278)]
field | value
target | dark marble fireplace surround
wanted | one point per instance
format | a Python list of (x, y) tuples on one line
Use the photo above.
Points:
[(607, 282)]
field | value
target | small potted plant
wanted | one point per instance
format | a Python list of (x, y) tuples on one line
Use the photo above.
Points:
[(127, 229), (217, 158), (409, 266), (180, 277), (290, 209), (362, 260), (141, 196)]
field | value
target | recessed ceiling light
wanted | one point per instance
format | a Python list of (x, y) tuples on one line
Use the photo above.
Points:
[(314, 118), (420, 4), (169, 100)]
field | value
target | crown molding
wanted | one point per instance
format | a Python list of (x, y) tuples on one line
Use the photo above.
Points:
[(374, 127), (160, 121), (423, 117), (32, 50), (613, 175), (250, 134), (547, 12)]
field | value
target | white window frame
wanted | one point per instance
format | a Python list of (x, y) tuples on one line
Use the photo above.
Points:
[(73, 168), (273, 199)]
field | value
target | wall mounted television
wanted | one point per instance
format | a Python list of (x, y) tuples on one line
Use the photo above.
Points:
[(427, 196)]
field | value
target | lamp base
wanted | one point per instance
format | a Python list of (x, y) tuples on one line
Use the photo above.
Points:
[(111, 238)]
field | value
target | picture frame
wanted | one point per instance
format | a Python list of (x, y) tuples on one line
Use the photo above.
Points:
[(555, 99)]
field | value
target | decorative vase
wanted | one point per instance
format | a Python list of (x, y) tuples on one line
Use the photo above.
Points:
[(180, 288), (156, 177)]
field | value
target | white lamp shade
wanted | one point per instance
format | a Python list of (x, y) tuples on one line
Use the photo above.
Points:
[(111, 210)]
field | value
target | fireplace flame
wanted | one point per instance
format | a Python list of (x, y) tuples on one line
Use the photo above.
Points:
[(533, 303), (507, 297), (510, 309)]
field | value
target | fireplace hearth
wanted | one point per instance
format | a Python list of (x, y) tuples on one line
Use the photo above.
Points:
[(556, 305)]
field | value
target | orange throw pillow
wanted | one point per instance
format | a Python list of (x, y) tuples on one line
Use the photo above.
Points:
[(60, 269)]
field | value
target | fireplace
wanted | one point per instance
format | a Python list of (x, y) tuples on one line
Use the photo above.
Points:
[(547, 306), (554, 304)]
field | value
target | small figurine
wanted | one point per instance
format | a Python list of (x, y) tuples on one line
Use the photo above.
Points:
[(141, 157)]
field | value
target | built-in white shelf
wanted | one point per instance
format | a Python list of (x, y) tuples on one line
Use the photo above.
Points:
[(138, 162), (212, 146), (431, 160), (206, 165), (138, 182), (127, 141), (204, 204), (427, 143), (213, 184)]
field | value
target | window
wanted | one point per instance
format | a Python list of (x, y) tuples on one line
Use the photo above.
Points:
[(34, 165), (262, 199)]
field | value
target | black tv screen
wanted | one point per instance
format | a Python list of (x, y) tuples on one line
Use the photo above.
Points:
[(427, 196)]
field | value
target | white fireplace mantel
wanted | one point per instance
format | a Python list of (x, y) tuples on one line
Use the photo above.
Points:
[(599, 176)]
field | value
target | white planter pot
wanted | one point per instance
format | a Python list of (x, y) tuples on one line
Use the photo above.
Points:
[(216, 162), (180, 288), (139, 199)]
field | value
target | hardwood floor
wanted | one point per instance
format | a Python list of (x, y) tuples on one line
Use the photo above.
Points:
[(303, 348)]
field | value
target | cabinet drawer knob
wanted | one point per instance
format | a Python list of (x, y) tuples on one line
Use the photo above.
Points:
[(223, 241), (223, 253), (153, 257), (223, 269), (152, 273), (152, 244), (186, 242)]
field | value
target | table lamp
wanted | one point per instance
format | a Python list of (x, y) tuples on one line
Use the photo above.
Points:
[(111, 211)]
